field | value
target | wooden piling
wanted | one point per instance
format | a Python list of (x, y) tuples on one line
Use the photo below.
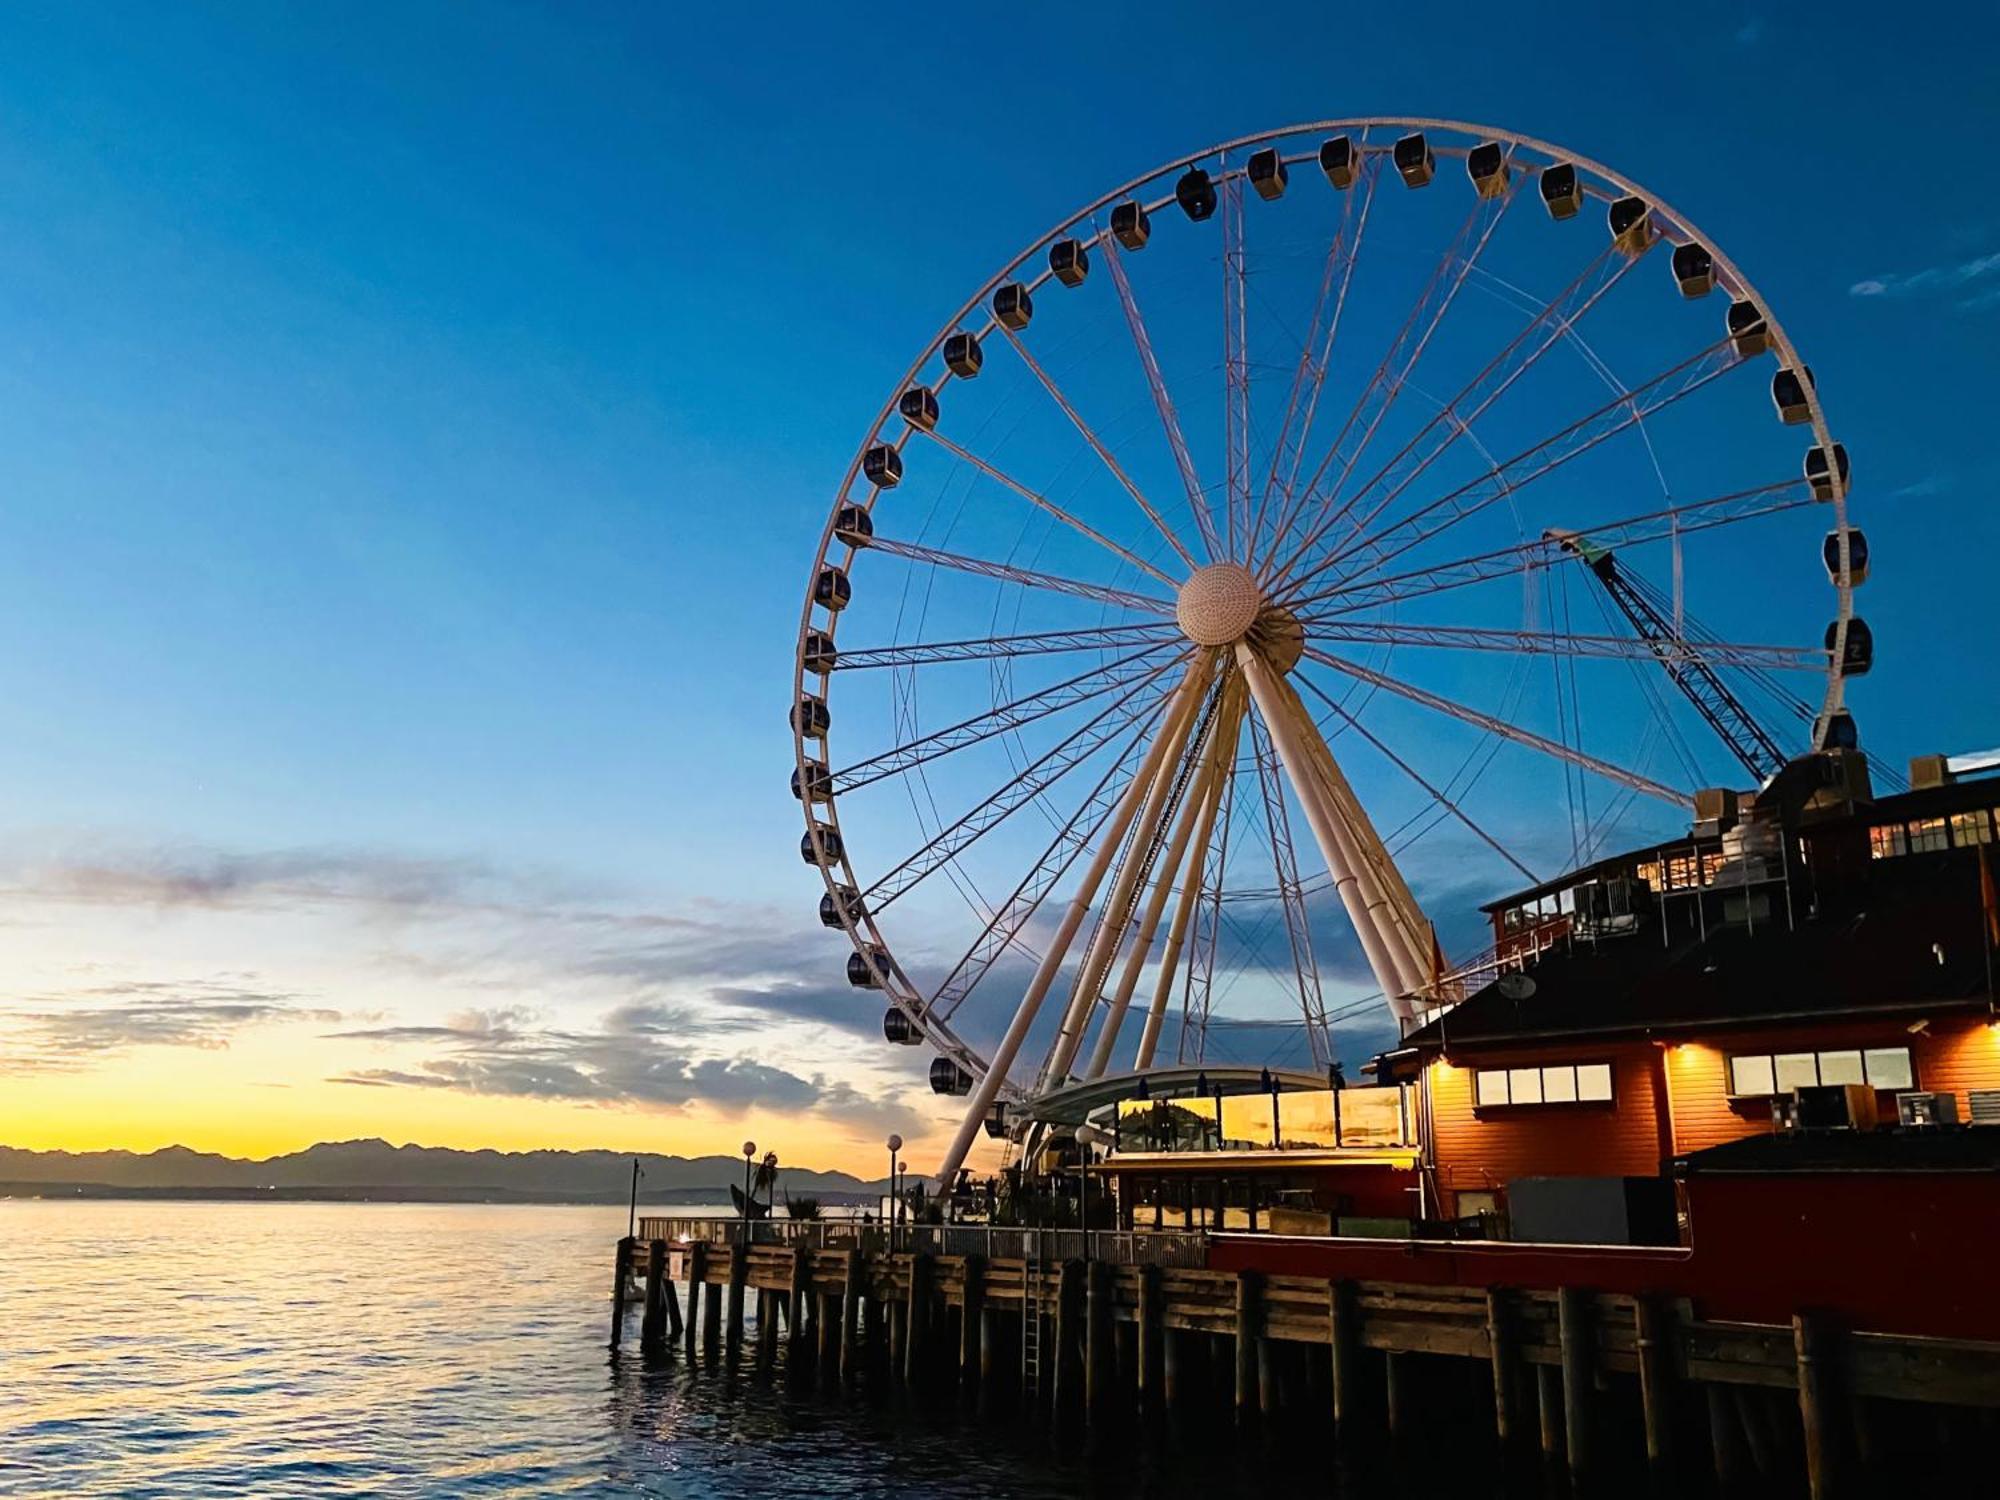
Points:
[(1656, 1382), (1148, 1358), (697, 1264), (853, 1285), (1500, 1354), (1811, 1348), (767, 1328), (972, 1321), (1578, 1335), (797, 1295), (1725, 1441), (917, 1341), (989, 1363), (1548, 1405), (711, 1321), (1344, 1339), (739, 1277), (673, 1310), (1396, 1393), (1173, 1357), (653, 1321), (621, 1273), (1100, 1353), (1068, 1341), (1249, 1323)]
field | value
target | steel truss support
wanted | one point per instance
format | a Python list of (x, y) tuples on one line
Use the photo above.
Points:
[(1291, 893), (1179, 709)]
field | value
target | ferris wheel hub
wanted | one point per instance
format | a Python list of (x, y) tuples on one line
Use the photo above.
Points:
[(1218, 604)]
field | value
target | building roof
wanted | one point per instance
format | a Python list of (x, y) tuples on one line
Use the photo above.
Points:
[(1976, 1149), (1917, 943)]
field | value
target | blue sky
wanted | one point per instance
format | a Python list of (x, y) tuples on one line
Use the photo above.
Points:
[(415, 421)]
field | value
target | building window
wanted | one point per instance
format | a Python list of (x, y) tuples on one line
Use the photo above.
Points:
[(1759, 1075), (1969, 828), (1556, 1083), (1927, 836), (1888, 841)]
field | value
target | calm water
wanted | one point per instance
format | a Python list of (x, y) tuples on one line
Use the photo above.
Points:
[(354, 1349)]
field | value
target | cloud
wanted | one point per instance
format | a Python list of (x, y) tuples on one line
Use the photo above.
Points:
[(61, 1033), (1972, 285)]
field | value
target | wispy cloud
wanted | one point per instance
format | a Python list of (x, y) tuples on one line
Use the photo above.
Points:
[(62, 1033), (1971, 285)]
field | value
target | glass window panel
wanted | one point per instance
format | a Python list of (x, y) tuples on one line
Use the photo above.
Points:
[(1971, 828), (1751, 1076), (1246, 1122), (1558, 1085), (1374, 1117), (1492, 1086), (1524, 1085), (1889, 1067), (1927, 836), (1840, 1067), (1796, 1070), (1306, 1118), (1593, 1082)]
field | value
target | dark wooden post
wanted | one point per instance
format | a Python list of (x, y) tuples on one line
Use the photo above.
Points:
[(899, 1333), (800, 1295), (1500, 1353), (854, 1283), (1813, 1349), (621, 1272), (711, 1316), (1069, 1339), (917, 1344), (826, 1323), (1344, 1335), (1725, 1439), (1100, 1361), (673, 1309), (1148, 1361), (1396, 1393), (972, 1321), (653, 1322), (1657, 1363), (1548, 1404), (1173, 1355), (739, 1277), (989, 1356), (697, 1262), (1249, 1324), (1576, 1326), (767, 1327)]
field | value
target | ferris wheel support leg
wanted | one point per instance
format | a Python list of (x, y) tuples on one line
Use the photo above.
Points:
[(1403, 925), (1117, 907), (988, 1087), (1156, 904), (1190, 877), (1301, 772)]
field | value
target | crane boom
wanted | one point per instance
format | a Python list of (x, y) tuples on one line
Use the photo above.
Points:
[(1688, 670)]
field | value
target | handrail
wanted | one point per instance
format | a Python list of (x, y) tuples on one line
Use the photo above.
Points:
[(995, 1242)]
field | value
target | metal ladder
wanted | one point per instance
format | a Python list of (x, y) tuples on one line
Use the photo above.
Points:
[(1031, 1320)]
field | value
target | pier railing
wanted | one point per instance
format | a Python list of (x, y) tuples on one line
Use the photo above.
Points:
[(1113, 1247)]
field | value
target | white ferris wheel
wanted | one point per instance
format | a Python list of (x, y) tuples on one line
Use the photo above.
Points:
[(1363, 504)]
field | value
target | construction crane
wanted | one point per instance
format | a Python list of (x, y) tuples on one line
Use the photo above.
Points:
[(1685, 666)]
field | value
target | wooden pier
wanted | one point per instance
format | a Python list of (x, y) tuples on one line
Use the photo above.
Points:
[(1596, 1382)]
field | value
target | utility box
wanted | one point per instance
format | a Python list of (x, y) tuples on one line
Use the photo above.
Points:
[(1592, 1211)]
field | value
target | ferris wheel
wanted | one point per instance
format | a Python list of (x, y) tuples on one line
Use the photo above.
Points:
[(1365, 507)]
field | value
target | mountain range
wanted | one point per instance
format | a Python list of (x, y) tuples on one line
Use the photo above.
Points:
[(376, 1170)]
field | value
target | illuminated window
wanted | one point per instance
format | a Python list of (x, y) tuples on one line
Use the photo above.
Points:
[(1760, 1075), (1888, 841), (1927, 836), (1557, 1083), (1971, 828)]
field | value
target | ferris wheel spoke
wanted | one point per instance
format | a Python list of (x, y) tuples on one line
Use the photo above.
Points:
[(1235, 368), (998, 647), (1562, 643), (1291, 893), (1310, 377), (1163, 401), (1553, 322), (1097, 446), (1033, 780), (1009, 573), (1660, 525), (1043, 503), (1604, 768), (1002, 930), (1376, 398), (1353, 721), (1206, 895), (1116, 676), (1544, 458)]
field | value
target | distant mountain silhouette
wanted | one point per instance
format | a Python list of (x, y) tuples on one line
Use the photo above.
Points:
[(376, 1169)]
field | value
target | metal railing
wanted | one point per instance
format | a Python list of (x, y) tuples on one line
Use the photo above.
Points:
[(1116, 1247)]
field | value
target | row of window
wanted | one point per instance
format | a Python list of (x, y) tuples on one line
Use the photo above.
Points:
[(1558, 1083), (1751, 1076), (1761, 1075), (1932, 835)]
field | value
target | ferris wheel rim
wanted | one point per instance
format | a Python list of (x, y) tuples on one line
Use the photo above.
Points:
[(864, 932)]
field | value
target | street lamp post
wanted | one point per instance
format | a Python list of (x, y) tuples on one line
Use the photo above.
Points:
[(749, 1151), (1087, 1136), (895, 1196)]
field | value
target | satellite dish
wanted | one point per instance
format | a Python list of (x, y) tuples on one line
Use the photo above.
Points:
[(1515, 986)]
